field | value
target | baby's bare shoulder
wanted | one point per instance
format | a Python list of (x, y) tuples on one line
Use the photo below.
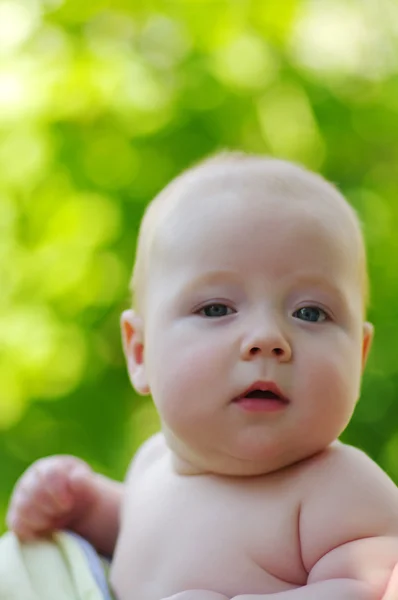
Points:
[(346, 471), (154, 448), (347, 497)]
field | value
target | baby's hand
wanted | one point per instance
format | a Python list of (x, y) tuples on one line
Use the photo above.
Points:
[(54, 493)]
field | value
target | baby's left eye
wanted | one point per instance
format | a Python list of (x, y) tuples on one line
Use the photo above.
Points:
[(217, 309), (314, 314)]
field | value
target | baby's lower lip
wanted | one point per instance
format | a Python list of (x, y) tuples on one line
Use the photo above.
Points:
[(261, 404)]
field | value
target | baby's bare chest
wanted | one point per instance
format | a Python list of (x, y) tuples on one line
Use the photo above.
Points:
[(219, 534)]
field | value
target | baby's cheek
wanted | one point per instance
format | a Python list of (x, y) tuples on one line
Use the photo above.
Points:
[(186, 380), (190, 362), (346, 369), (335, 382)]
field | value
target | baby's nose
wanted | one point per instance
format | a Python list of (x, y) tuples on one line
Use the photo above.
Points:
[(267, 343)]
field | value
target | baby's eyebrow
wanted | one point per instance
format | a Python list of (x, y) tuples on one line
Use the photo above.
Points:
[(206, 282), (223, 276), (316, 280), (323, 283), (213, 278)]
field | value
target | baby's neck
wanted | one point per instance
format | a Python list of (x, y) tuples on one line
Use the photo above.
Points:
[(186, 461), (184, 467)]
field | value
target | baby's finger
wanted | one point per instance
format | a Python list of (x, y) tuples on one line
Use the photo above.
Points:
[(23, 519), (81, 482), (23, 530), (67, 478), (50, 480), (28, 530), (42, 502)]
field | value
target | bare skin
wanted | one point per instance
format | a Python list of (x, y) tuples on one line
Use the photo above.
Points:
[(232, 518), (251, 339), (224, 521)]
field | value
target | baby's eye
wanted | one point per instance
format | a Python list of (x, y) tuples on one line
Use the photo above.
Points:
[(216, 310), (311, 313)]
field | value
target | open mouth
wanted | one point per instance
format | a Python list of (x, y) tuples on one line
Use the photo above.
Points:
[(262, 396), (267, 394)]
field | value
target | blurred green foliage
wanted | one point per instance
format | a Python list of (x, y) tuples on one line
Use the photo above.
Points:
[(101, 103)]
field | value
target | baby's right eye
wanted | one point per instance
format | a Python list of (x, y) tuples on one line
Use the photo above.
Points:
[(217, 309)]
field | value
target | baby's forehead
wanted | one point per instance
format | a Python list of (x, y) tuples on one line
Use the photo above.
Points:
[(212, 193)]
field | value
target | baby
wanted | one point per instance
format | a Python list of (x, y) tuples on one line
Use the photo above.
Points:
[(249, 331)]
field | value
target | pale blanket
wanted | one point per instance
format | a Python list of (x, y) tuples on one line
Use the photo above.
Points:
[(54, 569)]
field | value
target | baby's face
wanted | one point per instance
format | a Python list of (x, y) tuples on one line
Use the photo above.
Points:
[(254, 340)]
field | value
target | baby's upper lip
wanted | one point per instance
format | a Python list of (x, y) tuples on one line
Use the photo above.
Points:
[(263, 386)]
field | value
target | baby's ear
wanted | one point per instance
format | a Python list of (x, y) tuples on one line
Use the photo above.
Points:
[(133, 346), (368, 332)]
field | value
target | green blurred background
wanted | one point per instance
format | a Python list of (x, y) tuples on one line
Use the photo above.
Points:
[(101, 103)]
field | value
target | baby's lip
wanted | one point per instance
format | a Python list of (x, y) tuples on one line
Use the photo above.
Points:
[(263, 387)]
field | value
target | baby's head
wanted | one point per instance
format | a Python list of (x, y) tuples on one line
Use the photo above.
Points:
[(248, 328)]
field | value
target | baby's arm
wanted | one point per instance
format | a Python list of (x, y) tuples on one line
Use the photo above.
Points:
[(331, 589), (62, 492), (348, 532)]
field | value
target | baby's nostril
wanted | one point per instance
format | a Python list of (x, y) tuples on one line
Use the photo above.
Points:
[(254, 350), (278, 351)]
